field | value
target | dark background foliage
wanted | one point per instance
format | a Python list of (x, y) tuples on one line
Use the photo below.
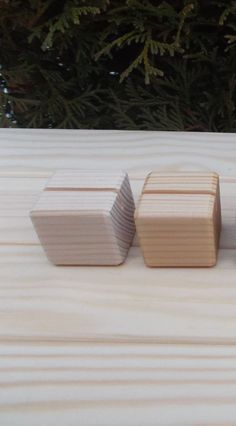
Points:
[(122, 64)]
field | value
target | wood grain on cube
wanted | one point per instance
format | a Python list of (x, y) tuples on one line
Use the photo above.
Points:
[(178, 219), (85, 217)]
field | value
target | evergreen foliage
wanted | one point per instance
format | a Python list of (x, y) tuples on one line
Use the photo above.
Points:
[(123, 64)]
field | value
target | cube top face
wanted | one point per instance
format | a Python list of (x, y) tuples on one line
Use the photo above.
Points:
[(85, 180), (80, 191), (74, 202), (178, 219), (182, 183), (85, 217)]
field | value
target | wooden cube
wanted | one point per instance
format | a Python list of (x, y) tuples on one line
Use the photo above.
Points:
[(178, 219), (85, 217)]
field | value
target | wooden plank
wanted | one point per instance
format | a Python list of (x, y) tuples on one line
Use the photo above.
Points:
[(128, 303), (138, 151), (102, 346), (121, 384)]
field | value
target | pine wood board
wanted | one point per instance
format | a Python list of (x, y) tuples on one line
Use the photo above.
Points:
[(99, 384), (128, 345), (125, 303)]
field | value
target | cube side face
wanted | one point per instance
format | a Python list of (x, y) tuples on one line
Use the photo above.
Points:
[(122, 217), (217, 217), (182, 182), (178, 219), (79, 239), (177, 243)]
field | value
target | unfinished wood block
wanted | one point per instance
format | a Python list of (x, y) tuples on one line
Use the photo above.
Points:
[(85, 217), (178, 219)]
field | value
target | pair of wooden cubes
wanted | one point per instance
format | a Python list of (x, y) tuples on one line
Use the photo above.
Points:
[(88, 218)]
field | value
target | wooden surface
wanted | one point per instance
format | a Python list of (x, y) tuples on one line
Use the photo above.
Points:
[(124, 345)]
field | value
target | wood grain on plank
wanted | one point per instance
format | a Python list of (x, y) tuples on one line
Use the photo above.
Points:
[(46, 150), (121, 384), (92, 347), (131, 303)]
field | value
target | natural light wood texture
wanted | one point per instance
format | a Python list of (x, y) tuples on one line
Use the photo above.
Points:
[(71, 384), (85, 217), (114, 346), (178, 219), (126, 303)]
